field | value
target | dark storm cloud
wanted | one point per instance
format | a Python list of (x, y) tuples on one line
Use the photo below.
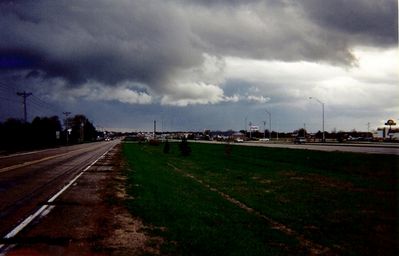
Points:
[(375, 21), (154, 42), (376, 18), (98, 40), (225, 3), (18, 59), (325, 31)]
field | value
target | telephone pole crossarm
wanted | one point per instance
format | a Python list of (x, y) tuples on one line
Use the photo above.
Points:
[(24, 95)]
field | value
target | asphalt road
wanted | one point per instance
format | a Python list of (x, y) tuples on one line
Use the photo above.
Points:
[(356, 148), (29, 180), (387, 149)]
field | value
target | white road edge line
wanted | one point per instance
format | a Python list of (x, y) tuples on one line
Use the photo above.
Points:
[(42, 210)]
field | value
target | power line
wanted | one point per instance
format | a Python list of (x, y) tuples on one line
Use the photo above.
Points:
[(24, 95), (40, 107), (8, 92), (8, 89), (45, 105), (7, 99)]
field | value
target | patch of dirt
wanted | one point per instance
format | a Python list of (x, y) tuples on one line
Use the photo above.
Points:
[(261, 180), (288, 173), (323, 181), (128, 238), (127, 235), (330, 182)]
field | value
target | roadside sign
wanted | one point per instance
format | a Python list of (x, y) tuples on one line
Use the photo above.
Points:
[(390, 122)]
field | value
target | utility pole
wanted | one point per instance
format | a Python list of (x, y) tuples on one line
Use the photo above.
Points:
[(322, 116), (82, 131), (270, 124), (264, 129), (277, 131), (155, 129), (162, 125), (250, 130), (24, 95), (304, 130), (67, 125)]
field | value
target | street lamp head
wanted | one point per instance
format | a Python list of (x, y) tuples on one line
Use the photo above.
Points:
[(316, 99)]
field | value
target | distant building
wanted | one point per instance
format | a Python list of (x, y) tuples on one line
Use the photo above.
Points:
[(385, 133), (238, 136)]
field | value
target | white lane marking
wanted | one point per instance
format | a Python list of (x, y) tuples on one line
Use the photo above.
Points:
[(45, 209), (9, 168), (37, 151), (26, 153)]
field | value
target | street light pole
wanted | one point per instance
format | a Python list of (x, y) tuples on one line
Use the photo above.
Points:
[(270, 124), (264, 129), (250, 130), (67, 124), (322, 108)]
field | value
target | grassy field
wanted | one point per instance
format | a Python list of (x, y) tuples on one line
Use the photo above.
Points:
[(237, 200)]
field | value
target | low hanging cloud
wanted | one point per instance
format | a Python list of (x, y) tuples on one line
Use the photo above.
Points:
[(258, 99), (177, 49), (193, 93), (118, 93)]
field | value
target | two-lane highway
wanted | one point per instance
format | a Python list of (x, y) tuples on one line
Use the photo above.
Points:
[(29, 180)]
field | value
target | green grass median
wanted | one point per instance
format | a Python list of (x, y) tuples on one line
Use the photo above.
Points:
[(237, 200)]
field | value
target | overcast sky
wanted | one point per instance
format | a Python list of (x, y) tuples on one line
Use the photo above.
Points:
[(203, 64)]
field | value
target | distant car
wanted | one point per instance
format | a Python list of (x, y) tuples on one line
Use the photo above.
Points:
[(238, 140), (299, 140), (354, 138), (264, 140)]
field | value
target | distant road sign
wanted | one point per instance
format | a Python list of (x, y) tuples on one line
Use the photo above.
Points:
[(254, 128)]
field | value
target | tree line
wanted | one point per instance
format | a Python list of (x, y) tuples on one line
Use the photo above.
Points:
[(44, 132)]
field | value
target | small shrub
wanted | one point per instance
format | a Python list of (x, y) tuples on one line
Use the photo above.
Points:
[(185, 149), (227, 149), (154, 142), (166, 147)]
